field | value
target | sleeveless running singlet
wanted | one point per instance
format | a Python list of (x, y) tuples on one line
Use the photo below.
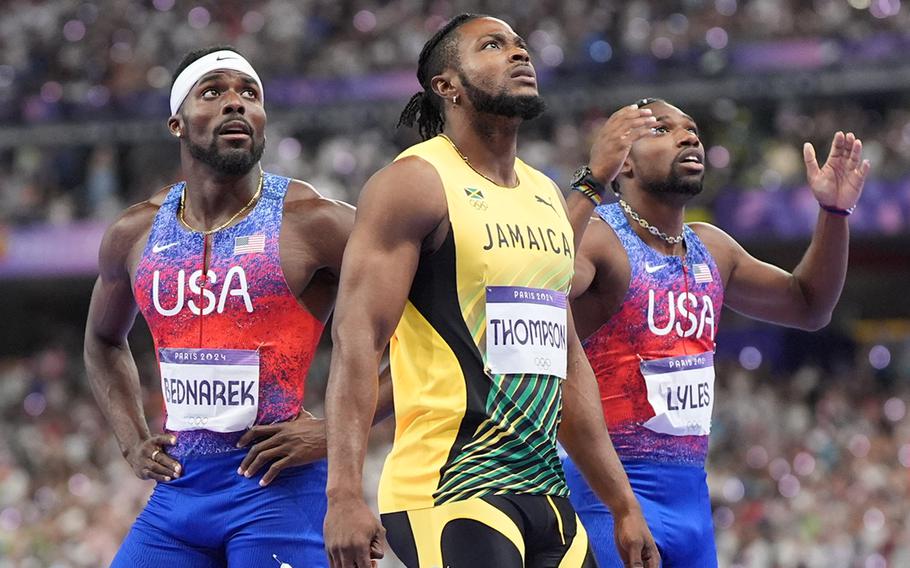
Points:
[(233, 343), (478, 356), (654, 362), (654, 359)]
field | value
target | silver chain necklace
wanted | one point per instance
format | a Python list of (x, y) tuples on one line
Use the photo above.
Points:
[(648, 226)]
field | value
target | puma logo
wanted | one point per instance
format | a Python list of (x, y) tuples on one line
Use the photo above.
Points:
[(547, 202)]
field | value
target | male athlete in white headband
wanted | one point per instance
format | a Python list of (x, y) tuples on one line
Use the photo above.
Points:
[(235, 272)]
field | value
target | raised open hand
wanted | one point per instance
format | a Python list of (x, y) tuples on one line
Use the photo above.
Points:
[(839, 182)]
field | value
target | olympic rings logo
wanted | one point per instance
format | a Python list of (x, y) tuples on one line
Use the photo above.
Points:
[(542, 363)]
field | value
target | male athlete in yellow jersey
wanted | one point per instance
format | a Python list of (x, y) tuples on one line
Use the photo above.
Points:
[(469, 252)]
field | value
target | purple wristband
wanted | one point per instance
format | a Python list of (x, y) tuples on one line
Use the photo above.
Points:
[(837, 211)]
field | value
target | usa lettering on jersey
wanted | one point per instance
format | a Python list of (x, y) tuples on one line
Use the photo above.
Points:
[(234, 284), (686, 314)]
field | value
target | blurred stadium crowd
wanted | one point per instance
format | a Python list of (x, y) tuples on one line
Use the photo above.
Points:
[(751, 151), (76, 58), (810, 462), (80, 62)]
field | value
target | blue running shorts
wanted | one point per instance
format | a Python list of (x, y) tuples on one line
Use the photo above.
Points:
[(212, 517), (676, 506)]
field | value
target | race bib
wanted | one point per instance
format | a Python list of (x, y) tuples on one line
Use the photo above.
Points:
[(210, 389), (681, 392), (526, 331)]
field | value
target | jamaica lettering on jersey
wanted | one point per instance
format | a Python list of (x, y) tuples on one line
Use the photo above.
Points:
[(654, 358), (233, 343), (476, 412)]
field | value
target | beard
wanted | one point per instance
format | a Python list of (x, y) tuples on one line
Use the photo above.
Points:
[(231, 162), (502, 103), (674, 184)]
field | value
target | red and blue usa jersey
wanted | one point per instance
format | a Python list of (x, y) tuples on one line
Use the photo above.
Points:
[(653, 359), (233, 342)]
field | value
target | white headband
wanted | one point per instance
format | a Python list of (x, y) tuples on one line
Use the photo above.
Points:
[(224, 59)]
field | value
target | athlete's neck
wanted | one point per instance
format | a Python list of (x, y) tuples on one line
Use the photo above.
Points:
[(667, 214), (212, 198), (489, 143)]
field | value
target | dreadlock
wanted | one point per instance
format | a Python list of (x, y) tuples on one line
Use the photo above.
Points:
[(439, 53), (614, 185)]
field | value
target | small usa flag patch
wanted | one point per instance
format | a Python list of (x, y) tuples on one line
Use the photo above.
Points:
[(702, 273), (250, 244)]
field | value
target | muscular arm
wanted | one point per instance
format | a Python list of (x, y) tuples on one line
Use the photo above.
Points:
[(599, 284), (584, 435), (587, 259), (601, 278), (804, 298), (109, 362), (314, 232), (579, 209), (583, 432), (111, 369), (334, 251), (329, 225), (399, 208), (393, 218)]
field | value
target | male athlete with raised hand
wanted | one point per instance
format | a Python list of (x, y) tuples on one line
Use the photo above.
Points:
[(647, 296), (465, 253), (235, 271)]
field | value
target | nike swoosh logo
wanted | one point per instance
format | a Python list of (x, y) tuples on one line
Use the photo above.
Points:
[(158, 248), (221, 58), (652, 269)]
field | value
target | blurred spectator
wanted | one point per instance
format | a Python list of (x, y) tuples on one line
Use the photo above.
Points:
[(112, 59), (754, 156), (71, 58), (811, 470)]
